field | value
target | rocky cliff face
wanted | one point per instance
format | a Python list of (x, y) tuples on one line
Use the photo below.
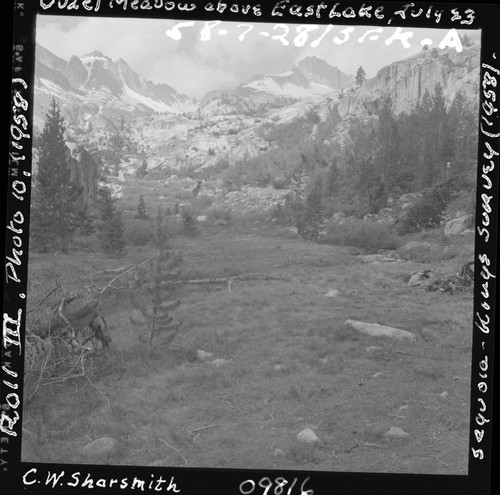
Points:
[(406, 81)]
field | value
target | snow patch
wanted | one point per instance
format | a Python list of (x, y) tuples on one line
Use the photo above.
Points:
[(155, 105)]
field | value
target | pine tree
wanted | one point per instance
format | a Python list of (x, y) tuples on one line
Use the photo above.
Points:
[(360, 76), (56, 213), (388, 156), (160, 301), (310, 221), (142, 212), (142, 170), (189, 222), (197, 188), (332, 178), (111, 228), (370, 185)]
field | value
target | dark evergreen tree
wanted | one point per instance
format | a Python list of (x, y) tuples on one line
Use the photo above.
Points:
[(141, 170), (370, 185), (189, 222), (388, 154), (56, 212), (310, 218), (332, 178), (360, 76), (142, 211), (197, 188), (111, 228)]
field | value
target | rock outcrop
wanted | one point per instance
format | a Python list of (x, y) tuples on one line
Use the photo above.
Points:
[(84, 173), (458, 225), (406, 81)]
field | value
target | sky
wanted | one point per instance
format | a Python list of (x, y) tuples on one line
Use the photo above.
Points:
[(231, 52)]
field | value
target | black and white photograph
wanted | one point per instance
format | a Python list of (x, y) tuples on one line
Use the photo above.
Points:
[(254, 245)]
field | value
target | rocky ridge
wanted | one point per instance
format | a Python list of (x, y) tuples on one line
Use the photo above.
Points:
[(407, 81)]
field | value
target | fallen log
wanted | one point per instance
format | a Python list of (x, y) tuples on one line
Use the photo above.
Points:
[(224, 280)]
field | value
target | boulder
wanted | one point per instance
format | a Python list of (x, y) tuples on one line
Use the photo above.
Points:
[(409, 199), (421, 251), (457, 225), (332, 293), (307, 436), (376, 330), (203, 355), (101, 447), (397, 433), (219, 362)]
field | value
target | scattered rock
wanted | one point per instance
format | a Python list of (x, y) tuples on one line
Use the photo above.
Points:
[(218, 363), (422, 251), (308, 437), (376, 330), (409, 199), (444, 394), (278, 453), (278, 367), (396, 432), (203, 355), (457, 225), (387, 215), (101, 447), (373, 348), (387, 257), (332, 293), (201, 218), (420, 278), (404, 407), (378, 374)]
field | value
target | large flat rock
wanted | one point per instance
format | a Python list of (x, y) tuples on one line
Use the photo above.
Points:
[(376, 330)]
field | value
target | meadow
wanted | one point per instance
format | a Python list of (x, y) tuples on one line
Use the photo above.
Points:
[(260, 359)]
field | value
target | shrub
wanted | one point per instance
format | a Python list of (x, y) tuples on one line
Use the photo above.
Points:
[(429, 210), (279, 183), (138, 233), (216, 213), (465, 201), (202, 202), (368, 236), (189, 222)]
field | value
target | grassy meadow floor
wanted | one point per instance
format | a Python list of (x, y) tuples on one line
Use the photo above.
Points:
[(290, 364)]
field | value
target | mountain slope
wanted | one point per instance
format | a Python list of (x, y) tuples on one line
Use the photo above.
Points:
[(309, 77), (104, 87)]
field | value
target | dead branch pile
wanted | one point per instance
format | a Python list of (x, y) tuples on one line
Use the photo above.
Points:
[(63, 331), (462, 280)]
